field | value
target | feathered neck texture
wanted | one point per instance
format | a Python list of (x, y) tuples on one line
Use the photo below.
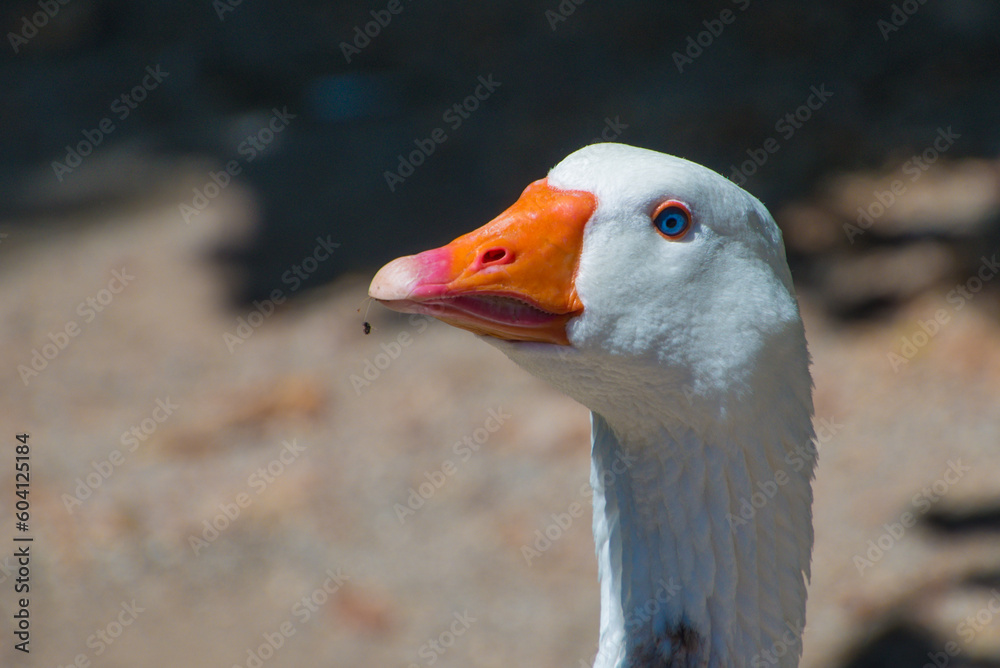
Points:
[(703, 543)]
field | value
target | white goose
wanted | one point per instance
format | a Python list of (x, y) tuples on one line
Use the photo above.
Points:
[(656, 293)]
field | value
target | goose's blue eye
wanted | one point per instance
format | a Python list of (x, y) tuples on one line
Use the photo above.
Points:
[(672, 219)]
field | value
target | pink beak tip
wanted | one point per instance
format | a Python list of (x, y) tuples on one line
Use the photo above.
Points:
[(395, 280)]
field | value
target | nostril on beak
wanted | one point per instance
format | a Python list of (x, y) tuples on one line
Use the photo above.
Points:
[(495, 256)]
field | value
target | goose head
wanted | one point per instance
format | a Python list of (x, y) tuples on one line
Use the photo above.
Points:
[(656, 293)]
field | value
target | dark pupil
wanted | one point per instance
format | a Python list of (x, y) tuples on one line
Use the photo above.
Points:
[(671, 221)]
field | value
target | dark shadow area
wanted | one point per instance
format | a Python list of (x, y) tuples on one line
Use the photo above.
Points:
[(961, 521), (898, 644), (984, 579), (902, 644)]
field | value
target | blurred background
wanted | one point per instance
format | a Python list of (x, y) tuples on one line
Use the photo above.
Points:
[(227, 472)]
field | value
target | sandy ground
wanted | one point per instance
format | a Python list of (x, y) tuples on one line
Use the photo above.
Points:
[(154, 423)]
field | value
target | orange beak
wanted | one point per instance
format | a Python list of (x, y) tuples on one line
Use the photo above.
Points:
[(513, 278)]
